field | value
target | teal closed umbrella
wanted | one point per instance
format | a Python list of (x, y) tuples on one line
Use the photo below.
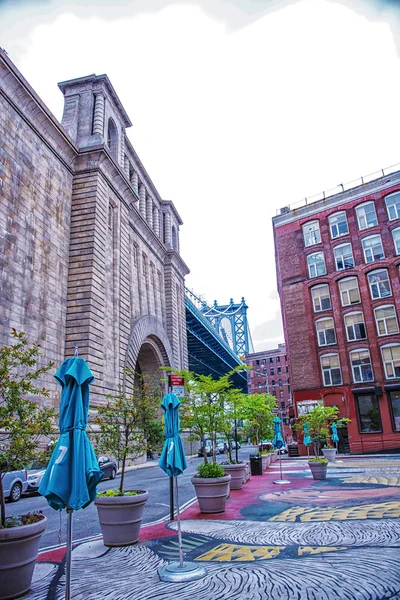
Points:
[(73, 472), (278, 443), (172, 460), (306, 439), (335, 437), (173, 463)]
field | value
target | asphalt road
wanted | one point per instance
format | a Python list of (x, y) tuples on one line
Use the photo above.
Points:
[(85, 522)]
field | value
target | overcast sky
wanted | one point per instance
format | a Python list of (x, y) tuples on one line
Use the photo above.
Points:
[(239, 107)]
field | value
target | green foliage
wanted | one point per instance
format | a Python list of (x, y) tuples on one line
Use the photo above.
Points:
[(257, 409), (125, 420), (318, 421), (114, 493), (154, 433), (318, 459), (19, 520), (22, 422), (209, 470)]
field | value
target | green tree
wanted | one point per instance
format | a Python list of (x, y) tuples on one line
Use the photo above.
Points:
[(318, 421), (205, 405), (126, 419), (257, 409), (22, 422)]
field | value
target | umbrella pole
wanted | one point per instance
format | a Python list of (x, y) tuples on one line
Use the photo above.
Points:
[(178, 516), (68, 556)]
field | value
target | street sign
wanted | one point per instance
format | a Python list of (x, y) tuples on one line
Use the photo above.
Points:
[(177, 385)]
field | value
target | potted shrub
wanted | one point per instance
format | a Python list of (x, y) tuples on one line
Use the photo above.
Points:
[(22, 426), (318, 467), (237, 472), (122, 422), (266, 459), (154, 433), (212, 487)]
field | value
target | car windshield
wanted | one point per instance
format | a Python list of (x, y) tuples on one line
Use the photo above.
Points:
[(36, 464)]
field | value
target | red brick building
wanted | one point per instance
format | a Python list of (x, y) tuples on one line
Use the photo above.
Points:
[(270, 373), (338, 264)]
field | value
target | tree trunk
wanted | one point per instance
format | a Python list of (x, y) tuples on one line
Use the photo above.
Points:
[(121, 485)]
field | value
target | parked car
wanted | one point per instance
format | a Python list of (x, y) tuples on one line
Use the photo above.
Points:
[(221, 446), (108, 466), (15, 484), (36, 470), (235, 445), (209, 450)]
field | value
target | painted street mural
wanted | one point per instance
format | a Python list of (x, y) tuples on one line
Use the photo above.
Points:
[(326, 540)]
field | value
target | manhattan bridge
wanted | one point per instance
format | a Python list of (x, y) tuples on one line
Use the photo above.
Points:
[(218, 337)]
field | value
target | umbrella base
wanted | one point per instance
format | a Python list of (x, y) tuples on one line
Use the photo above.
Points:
[(189, 571), (281, 481)]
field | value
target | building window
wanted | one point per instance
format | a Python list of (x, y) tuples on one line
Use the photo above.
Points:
[(278, 359), (349, 291), (271, 360), (331, 369), (311, 233), (280, 383), (386, 320), (316, 264), (355, 326), (259, 385), (338, 225), (391, 360), (263, 361), (343, 257), (279, 371), (368, 413), (112, 137), (273, 383), (396, 239), (379, 284), (321, 298), (361, 366), (366, 215), (373, 249), (394, 403), (393, 206), (326, 332), (287, 369), (272, 372)]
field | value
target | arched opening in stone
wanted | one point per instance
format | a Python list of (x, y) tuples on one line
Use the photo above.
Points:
[(174, 238), (112, 137)]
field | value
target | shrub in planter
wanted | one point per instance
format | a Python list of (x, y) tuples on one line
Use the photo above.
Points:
[(122, 423), (212, 487), (23, 424)]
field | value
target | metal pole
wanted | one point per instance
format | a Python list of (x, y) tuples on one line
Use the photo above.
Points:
[(68, 555), (236, 442), (179, 525), (171, 499)]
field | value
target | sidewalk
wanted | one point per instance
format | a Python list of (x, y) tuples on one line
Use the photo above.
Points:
[(319, 540)]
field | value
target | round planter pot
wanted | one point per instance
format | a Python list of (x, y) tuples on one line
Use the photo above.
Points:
[(154, 456), (329, 454), (212, 493), (318, 469), (19, 548), (120, 518), (246, 474), (237, 473)]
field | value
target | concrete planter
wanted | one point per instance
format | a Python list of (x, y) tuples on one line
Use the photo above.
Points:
[(120, 518), (330, 454), (212, 493), (318, 469), (19, 548), (237, 473), (154, 456), (274, 456), (266, 461), (246, 475)]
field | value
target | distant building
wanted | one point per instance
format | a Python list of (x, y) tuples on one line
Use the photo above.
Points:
[(270, 374), (337, 263)]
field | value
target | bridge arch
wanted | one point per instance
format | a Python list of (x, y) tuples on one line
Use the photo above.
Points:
[(148, 349)]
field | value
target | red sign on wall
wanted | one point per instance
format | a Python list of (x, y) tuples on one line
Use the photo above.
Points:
[(176, 380)]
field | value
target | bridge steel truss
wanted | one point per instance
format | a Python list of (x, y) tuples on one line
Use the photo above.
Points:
[(208, 352), (239, 337)]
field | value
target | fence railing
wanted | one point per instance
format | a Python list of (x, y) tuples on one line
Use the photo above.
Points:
[(341, 187)]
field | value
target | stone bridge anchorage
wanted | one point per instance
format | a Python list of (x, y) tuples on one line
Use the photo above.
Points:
[(90, 249)]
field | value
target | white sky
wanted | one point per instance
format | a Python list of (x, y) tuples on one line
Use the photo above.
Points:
[(236, 111)]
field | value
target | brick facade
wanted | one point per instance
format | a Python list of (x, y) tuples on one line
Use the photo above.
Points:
[(89, 250), (357, 389)]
